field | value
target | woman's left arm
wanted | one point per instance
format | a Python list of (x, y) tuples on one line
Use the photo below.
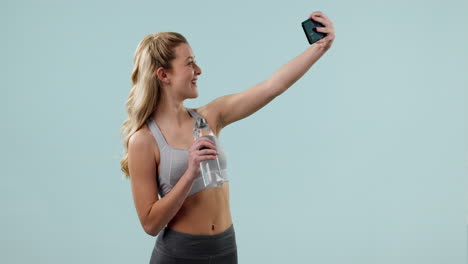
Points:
[(233, 107), (288, 74)]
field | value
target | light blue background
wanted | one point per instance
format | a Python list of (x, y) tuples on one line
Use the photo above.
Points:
[(363, 160)]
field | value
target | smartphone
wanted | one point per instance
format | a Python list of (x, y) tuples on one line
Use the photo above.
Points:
[(311, 33)]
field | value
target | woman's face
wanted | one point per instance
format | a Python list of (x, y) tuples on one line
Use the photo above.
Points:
[(184, 72)]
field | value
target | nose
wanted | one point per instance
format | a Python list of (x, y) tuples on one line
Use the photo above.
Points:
[(198, 70)]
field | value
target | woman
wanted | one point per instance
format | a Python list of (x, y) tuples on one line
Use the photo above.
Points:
[(163, 159)]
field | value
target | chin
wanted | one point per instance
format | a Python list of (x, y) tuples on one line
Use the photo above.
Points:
[(194, 94)]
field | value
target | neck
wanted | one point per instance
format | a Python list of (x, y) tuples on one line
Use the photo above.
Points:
[(171, 112)]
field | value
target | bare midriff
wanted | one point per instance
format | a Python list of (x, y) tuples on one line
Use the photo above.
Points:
[(204, 213)]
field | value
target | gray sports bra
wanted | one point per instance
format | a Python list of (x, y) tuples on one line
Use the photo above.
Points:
[(174, 161)]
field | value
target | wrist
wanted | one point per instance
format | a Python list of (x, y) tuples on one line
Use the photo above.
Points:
[(190, 174)]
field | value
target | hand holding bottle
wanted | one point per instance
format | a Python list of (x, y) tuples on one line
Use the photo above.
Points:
[(202, 149)]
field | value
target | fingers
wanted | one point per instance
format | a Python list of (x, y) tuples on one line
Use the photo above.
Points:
[(203, 149), (322, 29), (321, 18), (203, 143), (327, 30), (325, 22), (318, 14), (208, 153), (197, 155)]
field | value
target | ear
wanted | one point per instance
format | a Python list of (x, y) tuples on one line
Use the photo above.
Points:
[(161, 74)]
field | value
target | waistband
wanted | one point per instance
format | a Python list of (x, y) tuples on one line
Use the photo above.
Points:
[(180, 244)]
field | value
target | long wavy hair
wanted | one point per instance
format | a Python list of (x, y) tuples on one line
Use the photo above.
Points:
[(154, 51)]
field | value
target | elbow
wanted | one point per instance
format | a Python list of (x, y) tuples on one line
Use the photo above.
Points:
[(152, 230), (152, 222), (149, 231), (274, 88)]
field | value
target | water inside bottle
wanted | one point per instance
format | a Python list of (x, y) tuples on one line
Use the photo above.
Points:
[(210, 169)]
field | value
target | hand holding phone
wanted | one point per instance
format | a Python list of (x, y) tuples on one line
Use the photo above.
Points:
[(312, 35)]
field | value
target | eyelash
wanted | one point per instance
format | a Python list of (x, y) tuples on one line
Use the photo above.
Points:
[(192, 62)]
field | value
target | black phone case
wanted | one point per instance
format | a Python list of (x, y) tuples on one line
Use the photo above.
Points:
[(312, 35)]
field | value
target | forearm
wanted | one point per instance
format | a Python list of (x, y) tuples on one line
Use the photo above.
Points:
[(166, 208), (288, 74)]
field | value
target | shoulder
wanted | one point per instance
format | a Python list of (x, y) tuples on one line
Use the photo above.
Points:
[(142, 140), (141, 136)]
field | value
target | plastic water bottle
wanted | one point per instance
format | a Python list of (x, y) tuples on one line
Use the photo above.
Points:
[(210, 169)]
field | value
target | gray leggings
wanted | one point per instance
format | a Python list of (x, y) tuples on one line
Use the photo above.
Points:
[(175, 247)]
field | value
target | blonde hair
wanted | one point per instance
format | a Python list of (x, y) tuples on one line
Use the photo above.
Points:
[(154, 51)]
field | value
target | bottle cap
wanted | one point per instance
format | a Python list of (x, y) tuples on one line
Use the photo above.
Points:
[(201, 123)]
